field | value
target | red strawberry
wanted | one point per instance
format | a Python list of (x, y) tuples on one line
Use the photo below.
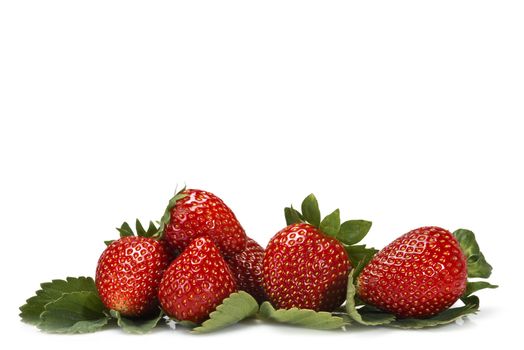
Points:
[(195, 213), (247, 270), (129, 273), (418, 275), (196, 282), (306, 265), (304, 268)]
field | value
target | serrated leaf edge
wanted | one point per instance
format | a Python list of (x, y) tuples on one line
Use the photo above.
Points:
[(135, 329), (220, 318), (52, 285), (289, 316), (96, 325)]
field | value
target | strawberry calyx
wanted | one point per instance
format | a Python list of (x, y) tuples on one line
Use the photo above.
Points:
[(166, 217), (152, 231), (348, 233), (126, 231), (477, 265)]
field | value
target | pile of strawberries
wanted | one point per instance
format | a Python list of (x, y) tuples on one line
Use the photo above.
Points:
[(198, 268)]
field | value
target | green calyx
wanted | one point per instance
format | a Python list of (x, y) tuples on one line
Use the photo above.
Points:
[(477, 264), (166, 218), (152, 230), (349, 233), (125, 230)]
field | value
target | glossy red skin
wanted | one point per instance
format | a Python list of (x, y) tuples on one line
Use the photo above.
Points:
[(247, 270), (306, 269), (129, 273), (202, 213), (418, 275), (196, 282)]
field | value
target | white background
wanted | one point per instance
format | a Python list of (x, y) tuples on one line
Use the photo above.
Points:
[(403, 112)]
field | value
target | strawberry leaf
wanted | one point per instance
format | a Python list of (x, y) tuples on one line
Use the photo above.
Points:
[(76, 312), (366, 316), (471, 306), (166, 218), (235, 308), (136, 325), (359, 256), (330, 225), (51, 291), (152, 231), (477, 264), (473, 287), (302, 317), (292, 216), (353, 231), (311, 211), (140, 231), (125, 230)]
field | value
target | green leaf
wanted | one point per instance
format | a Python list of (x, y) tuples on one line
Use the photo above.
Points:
[(360, 256), (136, 325), (152, 230), (448, 316), (311, 211), (140, 231), (477, 264), (51, 291), (331, 224), (302, 317), (125, 230), (233, 309), (368, 316), (76, 312), (166, 218), (108, 243), (292, 216), (473, 287), (353, 231)]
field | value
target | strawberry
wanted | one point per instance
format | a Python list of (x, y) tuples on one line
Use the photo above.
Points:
[(247, 270), (305, 264), (304, 268), (129, 272), (195, 213), (196, 282), (418, 275)]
